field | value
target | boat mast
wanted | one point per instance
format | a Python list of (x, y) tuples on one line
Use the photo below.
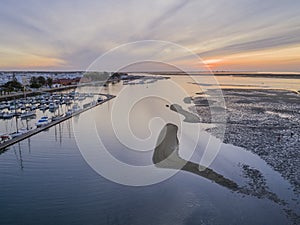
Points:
[(27, 123), (24, 93), (16, 116)]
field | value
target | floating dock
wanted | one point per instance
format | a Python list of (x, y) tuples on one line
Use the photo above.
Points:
[(32, 132)]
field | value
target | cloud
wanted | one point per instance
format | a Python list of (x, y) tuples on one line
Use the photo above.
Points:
[(282, 40), (168, 14), (78, 31)]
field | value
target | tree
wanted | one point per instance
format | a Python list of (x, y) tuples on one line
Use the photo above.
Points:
[(13, 85), (49, 82), (34, 83), (41, 80), (37, 82)]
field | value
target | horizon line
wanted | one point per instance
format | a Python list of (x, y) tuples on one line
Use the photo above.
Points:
[(159, 71)]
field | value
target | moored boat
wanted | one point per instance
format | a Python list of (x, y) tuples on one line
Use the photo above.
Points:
[(58, 117), (75, 108), (52, 107), (28, 114), (43, 121), (8, 115), (4, 137), (18, 133)]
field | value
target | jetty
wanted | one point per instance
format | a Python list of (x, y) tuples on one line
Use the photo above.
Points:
[(37, 130)]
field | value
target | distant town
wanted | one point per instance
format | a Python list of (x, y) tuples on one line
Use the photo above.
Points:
[(12, 82), (17, 84), (54, 79)]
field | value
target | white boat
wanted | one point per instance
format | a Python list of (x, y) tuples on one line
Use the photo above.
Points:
[(28, 114), (8, 115), (52, 106), (4, 106), (81, 98), (69, 112), (75, 108), (12, 107), (151, 81), (18, 133), (43, 107), (43, 121), (33, 107), (58, 117)]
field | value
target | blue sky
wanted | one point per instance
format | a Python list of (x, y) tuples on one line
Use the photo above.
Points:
[(227, 35)]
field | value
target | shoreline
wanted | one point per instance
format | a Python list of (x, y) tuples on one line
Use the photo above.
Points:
[(33, 93), (288, 75), (38, 92)]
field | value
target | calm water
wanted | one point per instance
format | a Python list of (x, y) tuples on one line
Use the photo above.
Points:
[(46, 180)]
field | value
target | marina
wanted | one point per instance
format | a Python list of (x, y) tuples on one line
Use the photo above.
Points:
[(19, 135)]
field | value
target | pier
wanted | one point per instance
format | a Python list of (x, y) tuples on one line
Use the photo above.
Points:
[(37, 130)]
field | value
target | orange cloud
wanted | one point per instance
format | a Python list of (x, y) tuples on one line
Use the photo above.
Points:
[(28, 61), (281, 59)]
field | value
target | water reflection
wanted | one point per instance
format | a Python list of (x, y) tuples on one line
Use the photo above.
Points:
[(59, 132), (166, 155), (18, 154)]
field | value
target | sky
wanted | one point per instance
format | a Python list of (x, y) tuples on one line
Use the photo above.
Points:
[(231, 35)]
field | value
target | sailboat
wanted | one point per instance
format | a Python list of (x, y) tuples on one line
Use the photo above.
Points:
[(58, 116), (28, 114), (18, 131), (8, 115), (52, 107)]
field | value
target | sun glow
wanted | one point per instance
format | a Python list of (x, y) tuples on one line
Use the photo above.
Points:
[(212, 63)]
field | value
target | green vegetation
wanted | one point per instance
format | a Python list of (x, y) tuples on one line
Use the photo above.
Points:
[(49, 82), (37, 82), (10, 86)]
